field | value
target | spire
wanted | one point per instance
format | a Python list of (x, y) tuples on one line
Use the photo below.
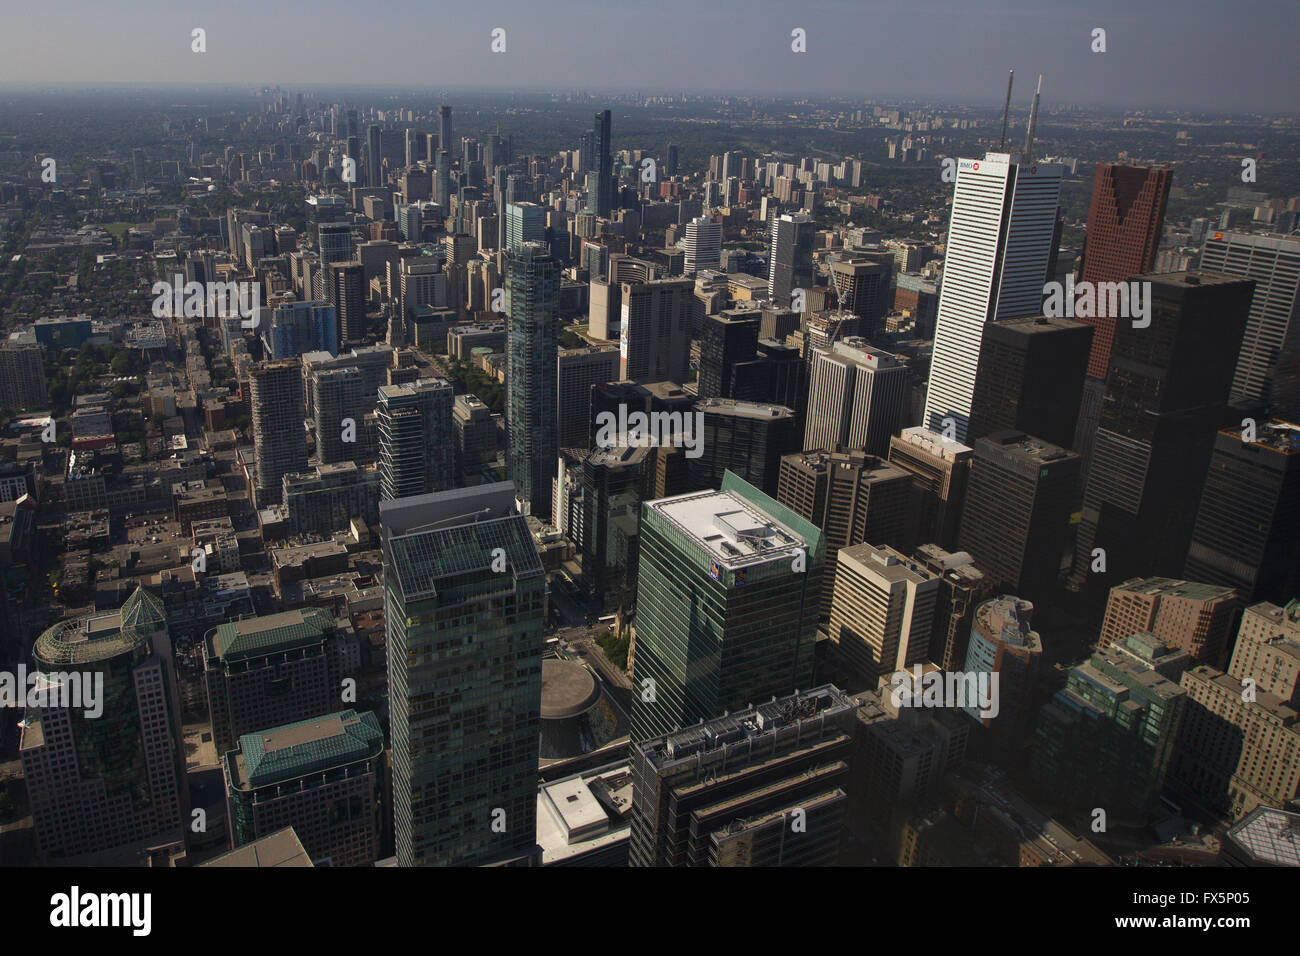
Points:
[(1006, 109), (1033, 121)]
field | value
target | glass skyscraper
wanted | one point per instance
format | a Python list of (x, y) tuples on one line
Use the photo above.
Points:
[(532, 292), (464, 602)]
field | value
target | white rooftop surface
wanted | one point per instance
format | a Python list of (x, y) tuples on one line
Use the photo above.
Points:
[(571, 821), (729, 529), (1271, 835)]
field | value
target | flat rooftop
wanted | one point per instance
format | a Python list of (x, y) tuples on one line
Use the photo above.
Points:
[(730, 530)]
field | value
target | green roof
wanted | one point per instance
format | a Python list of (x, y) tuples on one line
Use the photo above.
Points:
[(309, 746), (270, 633), (144, 612)]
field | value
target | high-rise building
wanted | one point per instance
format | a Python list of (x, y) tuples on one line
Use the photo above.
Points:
[(1002, 643), (856, 397), (323, 776), (791, 265), (298, 327), (577, 370), (532, 284), (464, 675), (476, 433), (22, 376), (525, 222), (1273, 325), (1247, 532), (962, 588), (1166, 398), (940, 468), (1106, 739), (862, 283), (442, 181), (112, 779), (445, 138), (1193, 616), (326, 498), (727, 596), (417, 446), (347, 292), (995, 262), (728, 791), (602, 203), (726, 338), (882, 612), (274, 669), (702, 245), (335, 241), (655, 331), (854, 498), (746, 438), (279, 439), (339, 404), (1016, 516), (374, 161), (1030, 378), (614, 482)]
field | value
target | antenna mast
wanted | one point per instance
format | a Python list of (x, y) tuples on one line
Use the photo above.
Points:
[(1006, 108), (1033, 121)]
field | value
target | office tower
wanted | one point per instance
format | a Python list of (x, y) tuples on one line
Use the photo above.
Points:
[(1002, 643), (324, 777), (702, 245), (862, 282), (464, 675), (856, 397), (664, 397), (104, 768), (1124, 226), (607, 294), (335, 241), (614, 482), (476, 433), (414, 147), (417, 447), (298, 327), (918, 294), (776, 374), (279, 439), (940, 468), (962, 588), (339, 406), (1189, 615), (790, 256), (670, 160), (746, 438), (602, 203), (1016, 517), (532, 283), (442, 180), (1107, 738), (576, 371), (328, 497), (525, 222), (1030, 378), (854, 498), (1239, 747), (374, 161), (274, 669), (1273, 324), (723, 616), (1166, 397), (995, 262), (882, 611), (1247, 531), (420, 282), (725, 339), (22, 376), (445, 138), (726, 791), (347, 293), (655, 332)]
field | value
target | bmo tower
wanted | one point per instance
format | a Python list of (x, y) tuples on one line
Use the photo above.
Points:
[(999, 244)]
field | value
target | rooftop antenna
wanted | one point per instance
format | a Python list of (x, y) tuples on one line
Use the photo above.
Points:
[(1006, 108), (1033, 121)]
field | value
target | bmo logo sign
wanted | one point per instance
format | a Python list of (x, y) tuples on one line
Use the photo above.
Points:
[(969, 164)]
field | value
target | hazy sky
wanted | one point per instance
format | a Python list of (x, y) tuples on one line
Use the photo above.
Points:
[(1222, 54)]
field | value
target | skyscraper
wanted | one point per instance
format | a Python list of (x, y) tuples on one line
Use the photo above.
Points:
[(725, 339), (999, 244), (1016, 516), (655, 331), (1002, 643), (1247, 532), (1273, 325), (417, 446), (374, 160), (603, 200), (113, 779), (525, 222), (790, 256), (727, 600), (22, 376), (464, 675), (532, 284), (1193, 616), (856, 397), (1167, 396), (279, 441), (445, 138), (339, 406), (577, 370), (863, 283), (746, 438), (702, 245), (1030, 378), (940, 468), (442, 180)]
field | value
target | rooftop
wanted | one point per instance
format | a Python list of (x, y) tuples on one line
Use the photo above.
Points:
[(729, 529), (308, 746)]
